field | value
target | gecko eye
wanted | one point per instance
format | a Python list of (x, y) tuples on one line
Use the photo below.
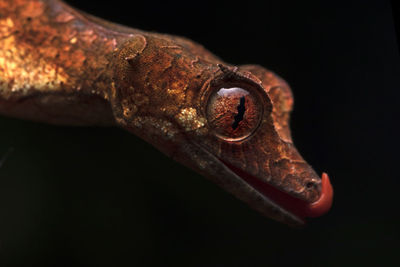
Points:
[(234, 113)]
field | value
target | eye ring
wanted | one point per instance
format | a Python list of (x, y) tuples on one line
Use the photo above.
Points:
[(234, 110)]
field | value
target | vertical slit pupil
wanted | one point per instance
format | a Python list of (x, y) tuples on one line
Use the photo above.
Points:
[(239, 116)]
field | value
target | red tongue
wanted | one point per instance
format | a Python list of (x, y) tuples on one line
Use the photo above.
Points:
[(324, 203), (294, 205)]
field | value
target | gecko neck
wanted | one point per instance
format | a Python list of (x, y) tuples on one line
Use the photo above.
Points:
[(62, 66), (54, 63)]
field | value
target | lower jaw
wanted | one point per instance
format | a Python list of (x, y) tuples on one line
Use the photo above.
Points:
[(295, 206)]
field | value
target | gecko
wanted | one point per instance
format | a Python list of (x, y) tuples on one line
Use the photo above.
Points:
[(62, 66)]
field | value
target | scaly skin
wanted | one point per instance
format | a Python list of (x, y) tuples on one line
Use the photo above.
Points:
[(60, 66)]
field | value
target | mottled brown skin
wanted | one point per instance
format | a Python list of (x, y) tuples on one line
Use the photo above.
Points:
[(60, 66)]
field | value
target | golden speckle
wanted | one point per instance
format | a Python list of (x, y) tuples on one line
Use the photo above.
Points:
[(128, 109), (6, 26), (73, 40), (19, 69), (189, 119)]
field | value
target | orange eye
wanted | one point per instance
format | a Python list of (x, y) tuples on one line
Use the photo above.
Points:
[(233, 113)]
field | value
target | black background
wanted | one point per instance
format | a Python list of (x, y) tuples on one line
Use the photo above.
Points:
[(100, 196)]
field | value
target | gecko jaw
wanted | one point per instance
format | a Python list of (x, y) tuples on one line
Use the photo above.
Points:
[(294, 206)]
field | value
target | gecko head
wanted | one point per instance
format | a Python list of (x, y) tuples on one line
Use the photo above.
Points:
[(243, 143), (228, 123)]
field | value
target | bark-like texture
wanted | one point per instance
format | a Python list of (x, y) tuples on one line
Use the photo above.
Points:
[(60, 66)]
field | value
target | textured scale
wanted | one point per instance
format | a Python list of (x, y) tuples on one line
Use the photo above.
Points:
[(61, 66)]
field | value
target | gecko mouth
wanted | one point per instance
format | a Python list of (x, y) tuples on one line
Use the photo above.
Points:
[(295, 206)]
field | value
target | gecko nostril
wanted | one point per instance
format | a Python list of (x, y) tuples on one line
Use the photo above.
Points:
[(310, 185)]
